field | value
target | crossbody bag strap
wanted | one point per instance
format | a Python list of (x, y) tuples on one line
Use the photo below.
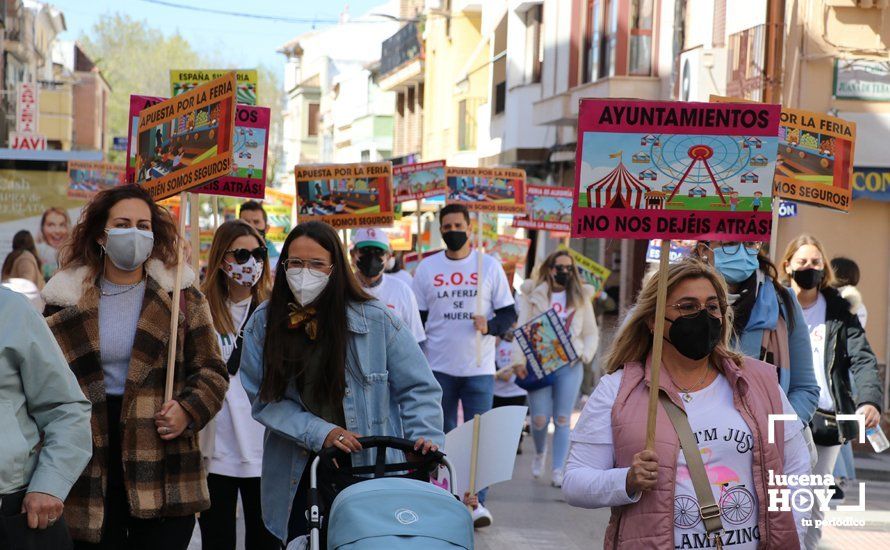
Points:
[(234, 361), (708, 508)]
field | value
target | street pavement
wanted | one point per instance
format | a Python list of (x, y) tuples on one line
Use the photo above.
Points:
[(529, 514)]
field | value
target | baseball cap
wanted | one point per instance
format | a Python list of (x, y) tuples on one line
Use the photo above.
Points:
[(370, 237)]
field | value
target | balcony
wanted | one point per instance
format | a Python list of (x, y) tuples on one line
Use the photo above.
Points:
[(401, 59), (562, 109)]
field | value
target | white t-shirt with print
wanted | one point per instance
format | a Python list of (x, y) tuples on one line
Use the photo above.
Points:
[(238, 447), (447, 290), (504, 360), (399, 297), (815, 319), (403, 276), (726, 445), (558, 304)]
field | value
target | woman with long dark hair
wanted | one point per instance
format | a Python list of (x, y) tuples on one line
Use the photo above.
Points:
[(237, 282), (324, 364), (109, 308), (557, 286), (23, 262)]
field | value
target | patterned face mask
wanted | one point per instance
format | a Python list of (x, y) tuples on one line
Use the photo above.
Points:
[(246, 274)]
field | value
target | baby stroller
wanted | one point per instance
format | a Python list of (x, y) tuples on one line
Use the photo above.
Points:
[(384, 511)]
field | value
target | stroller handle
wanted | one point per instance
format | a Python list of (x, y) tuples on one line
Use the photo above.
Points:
[(380, 443)]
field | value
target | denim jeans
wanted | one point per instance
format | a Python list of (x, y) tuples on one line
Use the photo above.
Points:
[(475, 393), (556, 402)]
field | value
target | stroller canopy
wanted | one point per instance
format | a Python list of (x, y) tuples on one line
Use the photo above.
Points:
[(397, 513)]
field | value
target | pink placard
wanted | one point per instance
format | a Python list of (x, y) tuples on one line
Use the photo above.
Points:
[(548, 208), (674, 170), (251, 145)]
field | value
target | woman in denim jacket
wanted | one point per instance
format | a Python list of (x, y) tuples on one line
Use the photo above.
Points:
[(325, 364)]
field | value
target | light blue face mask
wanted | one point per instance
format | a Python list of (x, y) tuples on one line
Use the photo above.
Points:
[(736, 267)]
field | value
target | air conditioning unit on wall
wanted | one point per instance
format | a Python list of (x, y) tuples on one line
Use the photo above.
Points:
[(702, 74)]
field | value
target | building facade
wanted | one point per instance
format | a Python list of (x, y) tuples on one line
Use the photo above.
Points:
[(335, 110)]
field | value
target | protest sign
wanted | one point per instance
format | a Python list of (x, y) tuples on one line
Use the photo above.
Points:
[(400, 235), (546, 344), (251, 144), (346, 195), (419, 181), (498, 190), (547, 208), (498, 438), (511, 252), (412, 259), (679, 250), (694, 170), (245, 89), (186, 141), (85, 179), (815, 157), (593, 273)]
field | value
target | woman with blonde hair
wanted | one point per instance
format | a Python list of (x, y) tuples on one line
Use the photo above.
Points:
[(840, 350), (54, 228), (725, 398), (237, 282), (557, 286)]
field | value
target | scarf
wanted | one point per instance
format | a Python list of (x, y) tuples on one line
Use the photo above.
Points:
[(303, 317)]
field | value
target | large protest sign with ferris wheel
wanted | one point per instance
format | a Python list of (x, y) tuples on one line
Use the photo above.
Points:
[(651, 169)]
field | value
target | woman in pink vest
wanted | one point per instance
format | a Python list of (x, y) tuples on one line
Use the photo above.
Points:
[(727, 399)]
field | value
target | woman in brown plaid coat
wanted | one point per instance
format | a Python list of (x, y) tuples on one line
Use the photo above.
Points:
[(109, 308)]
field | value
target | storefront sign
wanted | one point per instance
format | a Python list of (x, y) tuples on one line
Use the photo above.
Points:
[(787, 209), (33, 142), (871, 183), (119, 143), (863, 79), (26, 108)]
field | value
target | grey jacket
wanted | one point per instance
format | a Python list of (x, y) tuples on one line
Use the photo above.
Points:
[(39, 396)]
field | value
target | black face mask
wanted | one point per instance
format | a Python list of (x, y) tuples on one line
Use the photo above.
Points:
[(455, 240), (808, 278), (695, 337), (561, 278), (369, 265)]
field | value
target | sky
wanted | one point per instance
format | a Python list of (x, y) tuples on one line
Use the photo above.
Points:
[(248, 42)]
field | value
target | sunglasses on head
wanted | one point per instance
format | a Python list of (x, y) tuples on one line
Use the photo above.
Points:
[(242, 255)]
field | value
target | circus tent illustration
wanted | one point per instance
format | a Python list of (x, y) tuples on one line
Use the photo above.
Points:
[(618, 189)]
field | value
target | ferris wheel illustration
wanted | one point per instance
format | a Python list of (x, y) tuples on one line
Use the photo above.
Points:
[(699, 161)]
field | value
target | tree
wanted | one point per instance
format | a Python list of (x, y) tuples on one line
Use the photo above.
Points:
[(135, 59)]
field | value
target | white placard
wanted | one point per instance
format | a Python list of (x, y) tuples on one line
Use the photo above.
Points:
[(498, 439)]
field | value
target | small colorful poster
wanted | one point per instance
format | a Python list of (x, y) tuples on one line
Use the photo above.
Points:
[(679, 250), (498, 190), (548, 208), (511, 252), (815, 158), (251, 144), (546, 345), (412, 259), (676, 170), (401, 235), (346, 195), (593, 273), (419, 181), (85, 179), (246, 87), (185, 142)]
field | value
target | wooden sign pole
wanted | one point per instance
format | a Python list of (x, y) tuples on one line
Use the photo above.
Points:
[(216, 214), (474, 454), (174, 299), (479, 302), (419, 227), (195, 230), (657, 340)]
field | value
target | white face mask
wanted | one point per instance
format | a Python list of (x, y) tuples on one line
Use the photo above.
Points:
[(246, 274), (128, 248), (390, 263), (306, 286)]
